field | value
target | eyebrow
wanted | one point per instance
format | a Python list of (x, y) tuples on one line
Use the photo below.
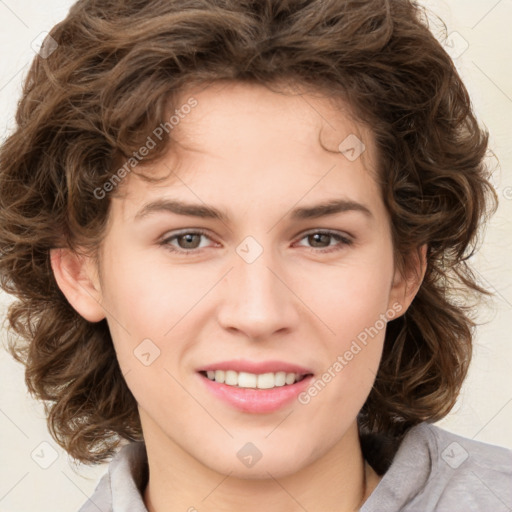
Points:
[(330, 207)]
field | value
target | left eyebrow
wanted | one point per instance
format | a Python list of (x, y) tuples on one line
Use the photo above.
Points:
[(331, 207)]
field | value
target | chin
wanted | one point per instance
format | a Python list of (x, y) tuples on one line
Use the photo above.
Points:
[(262, 470), (243, 460)]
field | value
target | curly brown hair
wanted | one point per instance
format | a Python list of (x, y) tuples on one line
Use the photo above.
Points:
[(91, 102)]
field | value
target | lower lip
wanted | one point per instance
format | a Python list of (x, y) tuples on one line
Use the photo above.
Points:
[(257, 400)]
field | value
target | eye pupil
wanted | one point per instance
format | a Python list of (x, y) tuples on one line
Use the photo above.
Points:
[(317, 237), (188, 238)]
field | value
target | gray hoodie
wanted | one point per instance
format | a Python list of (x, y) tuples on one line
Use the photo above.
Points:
[(432, 471)]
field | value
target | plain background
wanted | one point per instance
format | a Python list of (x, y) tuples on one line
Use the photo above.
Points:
[(480, 42)]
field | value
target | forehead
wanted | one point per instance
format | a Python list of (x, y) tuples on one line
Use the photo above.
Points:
[(256, 117), (245, 141)]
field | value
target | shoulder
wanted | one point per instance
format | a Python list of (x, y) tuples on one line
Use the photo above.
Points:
[(467, 454), (101, 499), (437, 471), (464, 474), (121, 488)]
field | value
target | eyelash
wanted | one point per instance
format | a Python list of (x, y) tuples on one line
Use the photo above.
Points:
[(344, 240)]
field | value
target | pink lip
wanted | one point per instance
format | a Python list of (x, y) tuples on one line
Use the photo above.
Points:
[(242, 365), (256, 400)]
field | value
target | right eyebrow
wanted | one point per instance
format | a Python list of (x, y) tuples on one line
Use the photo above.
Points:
[(181, 208)]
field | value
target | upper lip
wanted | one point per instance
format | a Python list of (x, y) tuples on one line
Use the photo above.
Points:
[(243, 365)]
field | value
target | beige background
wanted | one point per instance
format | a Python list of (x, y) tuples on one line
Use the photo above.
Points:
[(481, 44)]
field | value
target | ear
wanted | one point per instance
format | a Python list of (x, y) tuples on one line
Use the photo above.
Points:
[(407, 280), (77, 278)]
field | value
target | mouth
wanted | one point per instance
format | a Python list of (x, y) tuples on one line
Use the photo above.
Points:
[(252, 387), (267, 380)]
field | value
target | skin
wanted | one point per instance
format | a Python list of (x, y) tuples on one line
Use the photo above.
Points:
[(256, 154)]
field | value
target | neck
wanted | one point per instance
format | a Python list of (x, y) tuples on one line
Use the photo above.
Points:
[(338, 480)]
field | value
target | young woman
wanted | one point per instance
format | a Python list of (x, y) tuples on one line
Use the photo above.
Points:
[(238, 232)]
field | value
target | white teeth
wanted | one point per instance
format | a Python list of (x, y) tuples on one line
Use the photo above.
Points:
[(231, 378), (251, 380), (267, 381), (290, 378), (247, 380), (281, 378)]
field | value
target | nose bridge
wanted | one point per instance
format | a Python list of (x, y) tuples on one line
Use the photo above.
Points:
[(257, 301)]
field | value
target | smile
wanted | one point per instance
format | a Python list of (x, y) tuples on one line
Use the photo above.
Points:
[(267, 380), (253, 399)]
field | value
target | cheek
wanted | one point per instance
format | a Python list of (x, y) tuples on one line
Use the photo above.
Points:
[(135, 304), (143, 291), (357, 295), (148, 299), (355, 307)]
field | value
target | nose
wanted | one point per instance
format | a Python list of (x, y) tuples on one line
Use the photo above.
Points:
[(258, 302)]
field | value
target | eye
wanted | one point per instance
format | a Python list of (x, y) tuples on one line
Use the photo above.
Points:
[(319, 239), (187, 242)]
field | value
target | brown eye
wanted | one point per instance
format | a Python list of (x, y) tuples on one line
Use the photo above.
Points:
[(321, 240), (189, 241), (186, 242)]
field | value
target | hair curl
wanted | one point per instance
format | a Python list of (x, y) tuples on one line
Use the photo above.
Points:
[(110, 82)]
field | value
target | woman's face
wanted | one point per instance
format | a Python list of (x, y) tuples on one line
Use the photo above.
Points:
[(256, 281)]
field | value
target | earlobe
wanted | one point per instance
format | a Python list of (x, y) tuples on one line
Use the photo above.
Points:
[(75, 278), (407, 281)]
